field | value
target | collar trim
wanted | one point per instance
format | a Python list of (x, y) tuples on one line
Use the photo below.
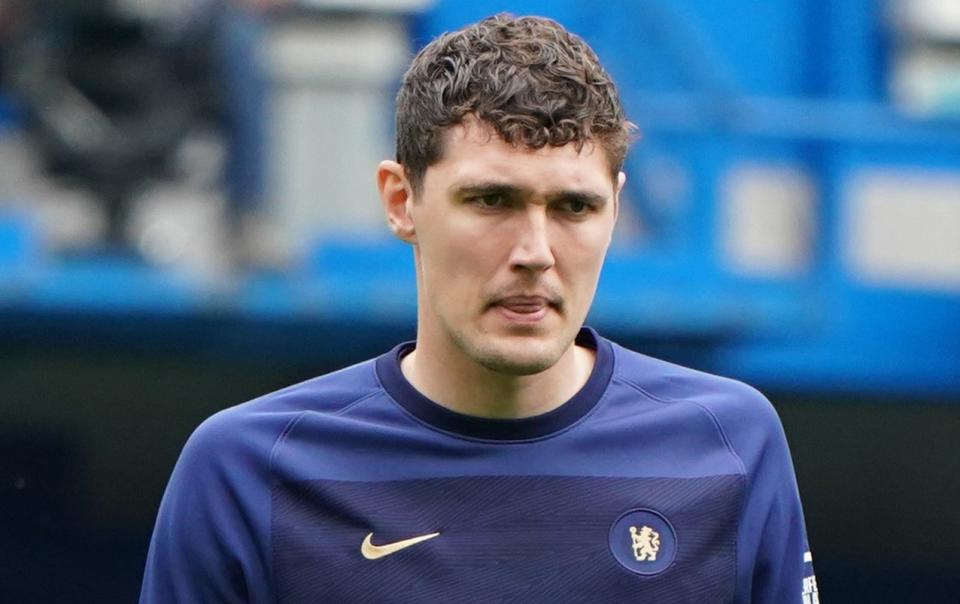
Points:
[(527, 428)]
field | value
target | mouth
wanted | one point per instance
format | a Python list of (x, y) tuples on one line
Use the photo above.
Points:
[(525, 309)]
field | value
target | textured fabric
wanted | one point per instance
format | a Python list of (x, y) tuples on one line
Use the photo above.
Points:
[(655, 483), (502, 539)]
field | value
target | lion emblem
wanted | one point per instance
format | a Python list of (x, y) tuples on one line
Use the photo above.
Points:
[(646, 543)]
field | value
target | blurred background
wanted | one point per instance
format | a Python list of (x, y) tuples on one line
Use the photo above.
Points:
[(188, 219)]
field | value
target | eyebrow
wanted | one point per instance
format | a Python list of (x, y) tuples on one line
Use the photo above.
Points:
[(500, 188), (485, 188)]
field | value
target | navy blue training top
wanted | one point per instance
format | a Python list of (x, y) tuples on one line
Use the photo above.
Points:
[(654, 483)]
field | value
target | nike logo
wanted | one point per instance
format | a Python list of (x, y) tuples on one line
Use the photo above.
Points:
[(372, 552)]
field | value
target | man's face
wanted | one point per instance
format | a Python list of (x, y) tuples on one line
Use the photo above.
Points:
[(509, 245)]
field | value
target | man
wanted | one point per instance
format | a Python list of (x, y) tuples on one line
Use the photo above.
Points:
[(509, 454)]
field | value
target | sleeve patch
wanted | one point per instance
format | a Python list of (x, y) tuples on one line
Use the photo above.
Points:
[(810, 594)]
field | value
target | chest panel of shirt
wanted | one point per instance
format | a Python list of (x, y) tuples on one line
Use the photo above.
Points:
[(502, 539)]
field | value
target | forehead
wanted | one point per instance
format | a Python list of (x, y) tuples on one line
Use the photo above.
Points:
[(472, 151)]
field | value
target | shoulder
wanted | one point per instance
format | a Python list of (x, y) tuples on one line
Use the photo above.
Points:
[(743, 415), (251, 429), (669, 382)]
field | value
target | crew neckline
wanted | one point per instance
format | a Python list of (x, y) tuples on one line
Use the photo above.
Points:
[(526, 428)]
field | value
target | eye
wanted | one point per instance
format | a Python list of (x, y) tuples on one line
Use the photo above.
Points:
[(576, 207), (489, 201)]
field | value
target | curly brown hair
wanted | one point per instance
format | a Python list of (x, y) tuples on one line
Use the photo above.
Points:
[(528, 78)]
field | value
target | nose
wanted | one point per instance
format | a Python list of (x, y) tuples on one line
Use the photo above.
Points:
[(531, 248)]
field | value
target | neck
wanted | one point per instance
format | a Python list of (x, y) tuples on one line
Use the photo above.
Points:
[(447, 376)]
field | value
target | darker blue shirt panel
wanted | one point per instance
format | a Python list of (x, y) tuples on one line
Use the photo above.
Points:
[(503, 539)]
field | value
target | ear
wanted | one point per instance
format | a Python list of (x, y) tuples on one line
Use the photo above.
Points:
[(397, 197), (621, 180)]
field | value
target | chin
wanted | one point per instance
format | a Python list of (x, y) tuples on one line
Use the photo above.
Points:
[(516, 356), (516, 366)]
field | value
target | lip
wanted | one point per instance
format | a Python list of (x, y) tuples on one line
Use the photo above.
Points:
[(523, 309), (523, 317)]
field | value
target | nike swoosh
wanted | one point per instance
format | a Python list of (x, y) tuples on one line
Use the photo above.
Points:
[(372, 552)]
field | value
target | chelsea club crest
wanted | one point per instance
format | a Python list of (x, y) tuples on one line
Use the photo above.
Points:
[(643, 541)]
